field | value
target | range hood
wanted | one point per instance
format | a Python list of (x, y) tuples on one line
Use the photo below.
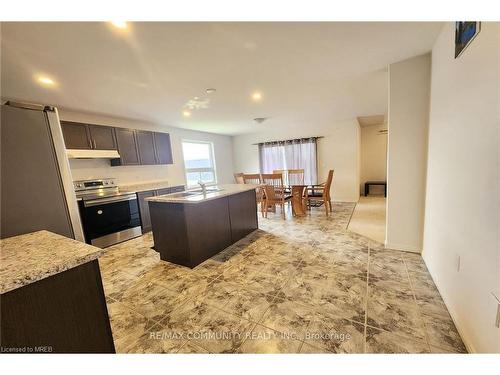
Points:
[(92, 154)]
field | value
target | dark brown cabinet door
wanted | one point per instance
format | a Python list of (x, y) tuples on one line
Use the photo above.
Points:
[(76, 135), (102, 137), (144, 209), (127, 147), (163, 148), (146, 145)]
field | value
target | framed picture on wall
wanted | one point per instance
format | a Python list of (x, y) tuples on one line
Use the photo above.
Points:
[(465, 32)]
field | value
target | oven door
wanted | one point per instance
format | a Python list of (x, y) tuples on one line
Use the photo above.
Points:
[(111, 220)]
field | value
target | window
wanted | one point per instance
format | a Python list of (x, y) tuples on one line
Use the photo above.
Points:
[(291, 154), (199, 162)]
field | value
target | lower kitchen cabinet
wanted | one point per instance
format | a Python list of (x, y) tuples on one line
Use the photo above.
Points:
[(144, 209), (63, 313), (164, 191), (144, 205)]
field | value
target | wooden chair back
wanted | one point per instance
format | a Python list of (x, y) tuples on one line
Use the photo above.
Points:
[(295, 177), (328, 185), (252, 179), (238, 178), (274, 185), (273, 179), (284, 173)]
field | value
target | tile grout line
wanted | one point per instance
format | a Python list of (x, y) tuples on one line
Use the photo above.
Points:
[(367, 296), (422, 322), (350, 217)]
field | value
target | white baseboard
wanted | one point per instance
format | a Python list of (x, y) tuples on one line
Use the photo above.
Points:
[(468, 344), (408, 248)]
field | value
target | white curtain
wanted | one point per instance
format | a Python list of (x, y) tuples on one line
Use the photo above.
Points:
[(272, 156), (292, 154)]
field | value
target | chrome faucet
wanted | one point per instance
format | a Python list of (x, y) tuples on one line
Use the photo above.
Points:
[(203, 187)]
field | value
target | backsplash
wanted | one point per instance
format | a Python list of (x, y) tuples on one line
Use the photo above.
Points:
[(84, 169)]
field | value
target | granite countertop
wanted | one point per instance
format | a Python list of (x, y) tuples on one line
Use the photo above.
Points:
[(226, 190), (143, 186), (31, 257)]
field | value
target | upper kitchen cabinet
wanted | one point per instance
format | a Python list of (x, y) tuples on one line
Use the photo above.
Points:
[(76, 135), (146, 146), (163, 148), (126, 141), (88, 137), (102, 137)]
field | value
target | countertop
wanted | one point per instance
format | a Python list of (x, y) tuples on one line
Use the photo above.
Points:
[(31, 257), (143, 186), (227, 190)]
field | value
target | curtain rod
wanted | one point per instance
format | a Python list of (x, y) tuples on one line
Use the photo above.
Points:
[(286, 140)]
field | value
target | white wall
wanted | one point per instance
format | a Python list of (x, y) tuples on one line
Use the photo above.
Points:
[(94, 168), (463, 183), (373, 156), (409, 89), (338, 150)]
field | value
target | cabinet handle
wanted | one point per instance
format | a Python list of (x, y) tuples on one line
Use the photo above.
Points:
[(93, 141)]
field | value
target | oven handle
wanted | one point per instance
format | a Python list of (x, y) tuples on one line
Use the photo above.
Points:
[(121, 198)]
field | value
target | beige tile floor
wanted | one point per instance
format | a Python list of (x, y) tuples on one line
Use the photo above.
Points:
[(368, 218), (301, 285)]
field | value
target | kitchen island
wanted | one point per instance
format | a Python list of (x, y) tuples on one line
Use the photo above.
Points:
[(52, 299), (190, 227)]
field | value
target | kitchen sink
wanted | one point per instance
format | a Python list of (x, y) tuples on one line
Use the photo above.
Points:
[(192, 193), (209, 190), (185, 194)]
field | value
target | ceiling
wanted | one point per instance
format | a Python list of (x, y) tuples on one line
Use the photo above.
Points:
[(365, 121), (306, 72)]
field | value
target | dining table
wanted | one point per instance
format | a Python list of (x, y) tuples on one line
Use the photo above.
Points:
[(299, 198)]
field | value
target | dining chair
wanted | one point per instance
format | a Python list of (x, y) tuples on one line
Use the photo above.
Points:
[(274, 192), (321, 193), (284, 173), (256, 179), (295, 177), (238, 178)]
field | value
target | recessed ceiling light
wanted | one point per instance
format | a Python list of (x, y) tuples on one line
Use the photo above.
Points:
[(210, 90), (119, 24), (46, 81), (186, 113), (256, 96)]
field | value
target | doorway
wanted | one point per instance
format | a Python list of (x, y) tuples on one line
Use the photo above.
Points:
[(369, 216)]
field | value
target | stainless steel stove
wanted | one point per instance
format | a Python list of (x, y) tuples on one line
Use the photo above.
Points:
[(108, 215)]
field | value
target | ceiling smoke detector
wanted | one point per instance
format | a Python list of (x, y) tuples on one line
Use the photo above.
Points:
[(260, 120)]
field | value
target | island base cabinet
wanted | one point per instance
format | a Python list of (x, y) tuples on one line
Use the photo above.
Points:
[(189, 234), (243, 214), (64, 313)]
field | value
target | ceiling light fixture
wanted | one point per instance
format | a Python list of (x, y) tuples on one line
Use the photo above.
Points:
[(46, 81), (186, 113), (256, 96), (210, 90), (119, 24), (260, 120)]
